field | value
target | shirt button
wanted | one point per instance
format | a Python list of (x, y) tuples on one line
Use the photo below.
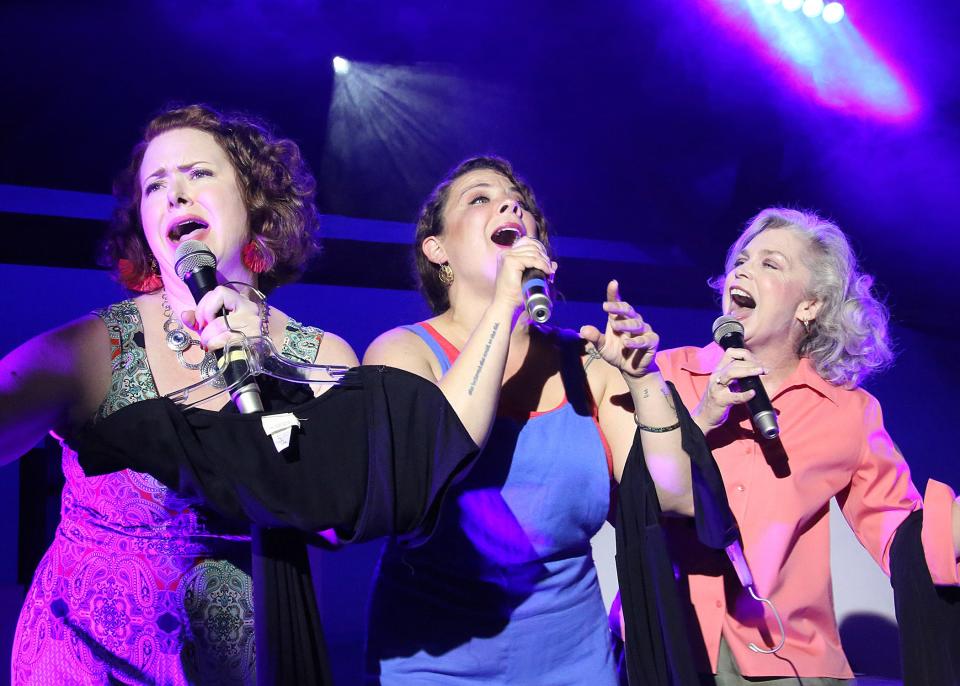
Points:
[(741, 488), (719, 603)]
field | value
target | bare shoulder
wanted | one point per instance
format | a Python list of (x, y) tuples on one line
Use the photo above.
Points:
[(335, 350), (85, 345), (82, 341), (58, 379), (403, 349)]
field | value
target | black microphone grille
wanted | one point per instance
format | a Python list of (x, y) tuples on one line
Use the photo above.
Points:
[(724, 325), (193, 255)]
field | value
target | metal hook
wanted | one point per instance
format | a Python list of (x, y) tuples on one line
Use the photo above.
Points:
[(776, 615)]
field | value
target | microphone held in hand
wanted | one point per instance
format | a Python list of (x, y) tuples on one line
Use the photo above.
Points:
[(197, 266), (728, 333), (536, 295)]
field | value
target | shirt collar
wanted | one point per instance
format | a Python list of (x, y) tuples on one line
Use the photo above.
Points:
[(705, 360)]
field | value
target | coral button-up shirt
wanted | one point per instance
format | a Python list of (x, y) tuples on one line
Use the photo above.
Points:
[(832, 444)]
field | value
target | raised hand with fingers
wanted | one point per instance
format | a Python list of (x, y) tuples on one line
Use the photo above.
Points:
[(722, 392), (628, 343)]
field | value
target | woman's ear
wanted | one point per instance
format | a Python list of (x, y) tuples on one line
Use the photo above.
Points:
[(433, 250), (808, 310)]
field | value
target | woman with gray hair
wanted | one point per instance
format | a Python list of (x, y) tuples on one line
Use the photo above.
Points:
[(812, 332)]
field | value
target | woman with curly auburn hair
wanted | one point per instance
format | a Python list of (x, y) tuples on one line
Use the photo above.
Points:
[(274, 183), (813, 331), (140, 586)]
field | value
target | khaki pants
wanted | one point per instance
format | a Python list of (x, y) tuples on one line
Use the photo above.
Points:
[(728, 674)]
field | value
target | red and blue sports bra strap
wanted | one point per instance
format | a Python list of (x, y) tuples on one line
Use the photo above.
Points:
[(443, 350)]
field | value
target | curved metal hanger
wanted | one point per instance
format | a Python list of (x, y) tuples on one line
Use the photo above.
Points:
[(253, 356)]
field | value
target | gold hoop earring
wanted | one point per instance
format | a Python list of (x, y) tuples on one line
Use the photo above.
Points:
[(445, 274)]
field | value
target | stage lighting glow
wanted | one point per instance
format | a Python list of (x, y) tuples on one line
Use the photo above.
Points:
[(773, 2), (341, 65), (407, 118), (833, 12), (813, 8), (833, 61)]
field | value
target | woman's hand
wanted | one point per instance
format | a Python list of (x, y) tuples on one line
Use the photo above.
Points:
[(714, 406), (214, 331), (629, 343), (525, 253)]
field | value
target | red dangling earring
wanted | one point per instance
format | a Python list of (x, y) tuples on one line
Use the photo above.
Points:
[(147, 283), (253, 258)]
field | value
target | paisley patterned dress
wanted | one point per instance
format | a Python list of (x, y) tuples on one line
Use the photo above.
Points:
[(140, 586)]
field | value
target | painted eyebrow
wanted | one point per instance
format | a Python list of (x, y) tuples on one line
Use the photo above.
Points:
[(776, 253), (183, 167), (484, 184), (766, 252)]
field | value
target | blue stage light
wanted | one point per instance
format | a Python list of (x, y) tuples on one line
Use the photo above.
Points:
[(833, 12), (341, 65)]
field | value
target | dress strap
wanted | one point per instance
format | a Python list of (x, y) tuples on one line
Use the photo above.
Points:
[(445, 352), (301, 343), (131, 379), (576, 384)]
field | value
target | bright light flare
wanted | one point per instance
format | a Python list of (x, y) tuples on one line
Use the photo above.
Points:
[(812, 8), (830, 59), (833, 12), (341, 65)]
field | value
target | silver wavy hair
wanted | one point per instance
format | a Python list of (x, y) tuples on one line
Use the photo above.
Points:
[(849, 339)]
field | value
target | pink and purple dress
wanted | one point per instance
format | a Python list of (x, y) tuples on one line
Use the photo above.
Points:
[(139, 585)]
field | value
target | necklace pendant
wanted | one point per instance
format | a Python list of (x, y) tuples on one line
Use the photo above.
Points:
[(178, 340), (187, 365)]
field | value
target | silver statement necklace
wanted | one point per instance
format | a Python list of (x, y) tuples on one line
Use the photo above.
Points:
[(179, 341)]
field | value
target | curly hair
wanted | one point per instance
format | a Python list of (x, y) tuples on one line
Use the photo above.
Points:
[(275, 183), (849, 340), (430, 223)]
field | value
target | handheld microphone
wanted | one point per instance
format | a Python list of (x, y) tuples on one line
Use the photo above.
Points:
[(536, 295), (728, 333), (197, 266)]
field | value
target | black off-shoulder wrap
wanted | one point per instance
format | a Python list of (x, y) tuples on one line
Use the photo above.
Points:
[(657, 642), (374, 456)]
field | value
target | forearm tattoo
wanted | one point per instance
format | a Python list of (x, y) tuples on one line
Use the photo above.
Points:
[(483, 358), (645, 394)]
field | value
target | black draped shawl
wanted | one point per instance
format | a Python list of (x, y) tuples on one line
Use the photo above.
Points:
[(928, 616), (373, 456), (657, 643)]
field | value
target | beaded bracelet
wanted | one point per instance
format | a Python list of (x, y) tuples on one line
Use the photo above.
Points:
[(655, 429)]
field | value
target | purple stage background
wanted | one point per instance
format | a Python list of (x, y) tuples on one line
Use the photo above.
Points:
[(650, 129)]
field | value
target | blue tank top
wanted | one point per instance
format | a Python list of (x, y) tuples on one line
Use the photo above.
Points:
[(505, 591)]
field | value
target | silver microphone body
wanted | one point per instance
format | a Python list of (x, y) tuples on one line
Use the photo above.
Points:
[(728, 333), (197, 266), (536, 295)]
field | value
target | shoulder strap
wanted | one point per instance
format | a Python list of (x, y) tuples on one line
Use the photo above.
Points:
[(131, 379), (301, 343), (442, 349)]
